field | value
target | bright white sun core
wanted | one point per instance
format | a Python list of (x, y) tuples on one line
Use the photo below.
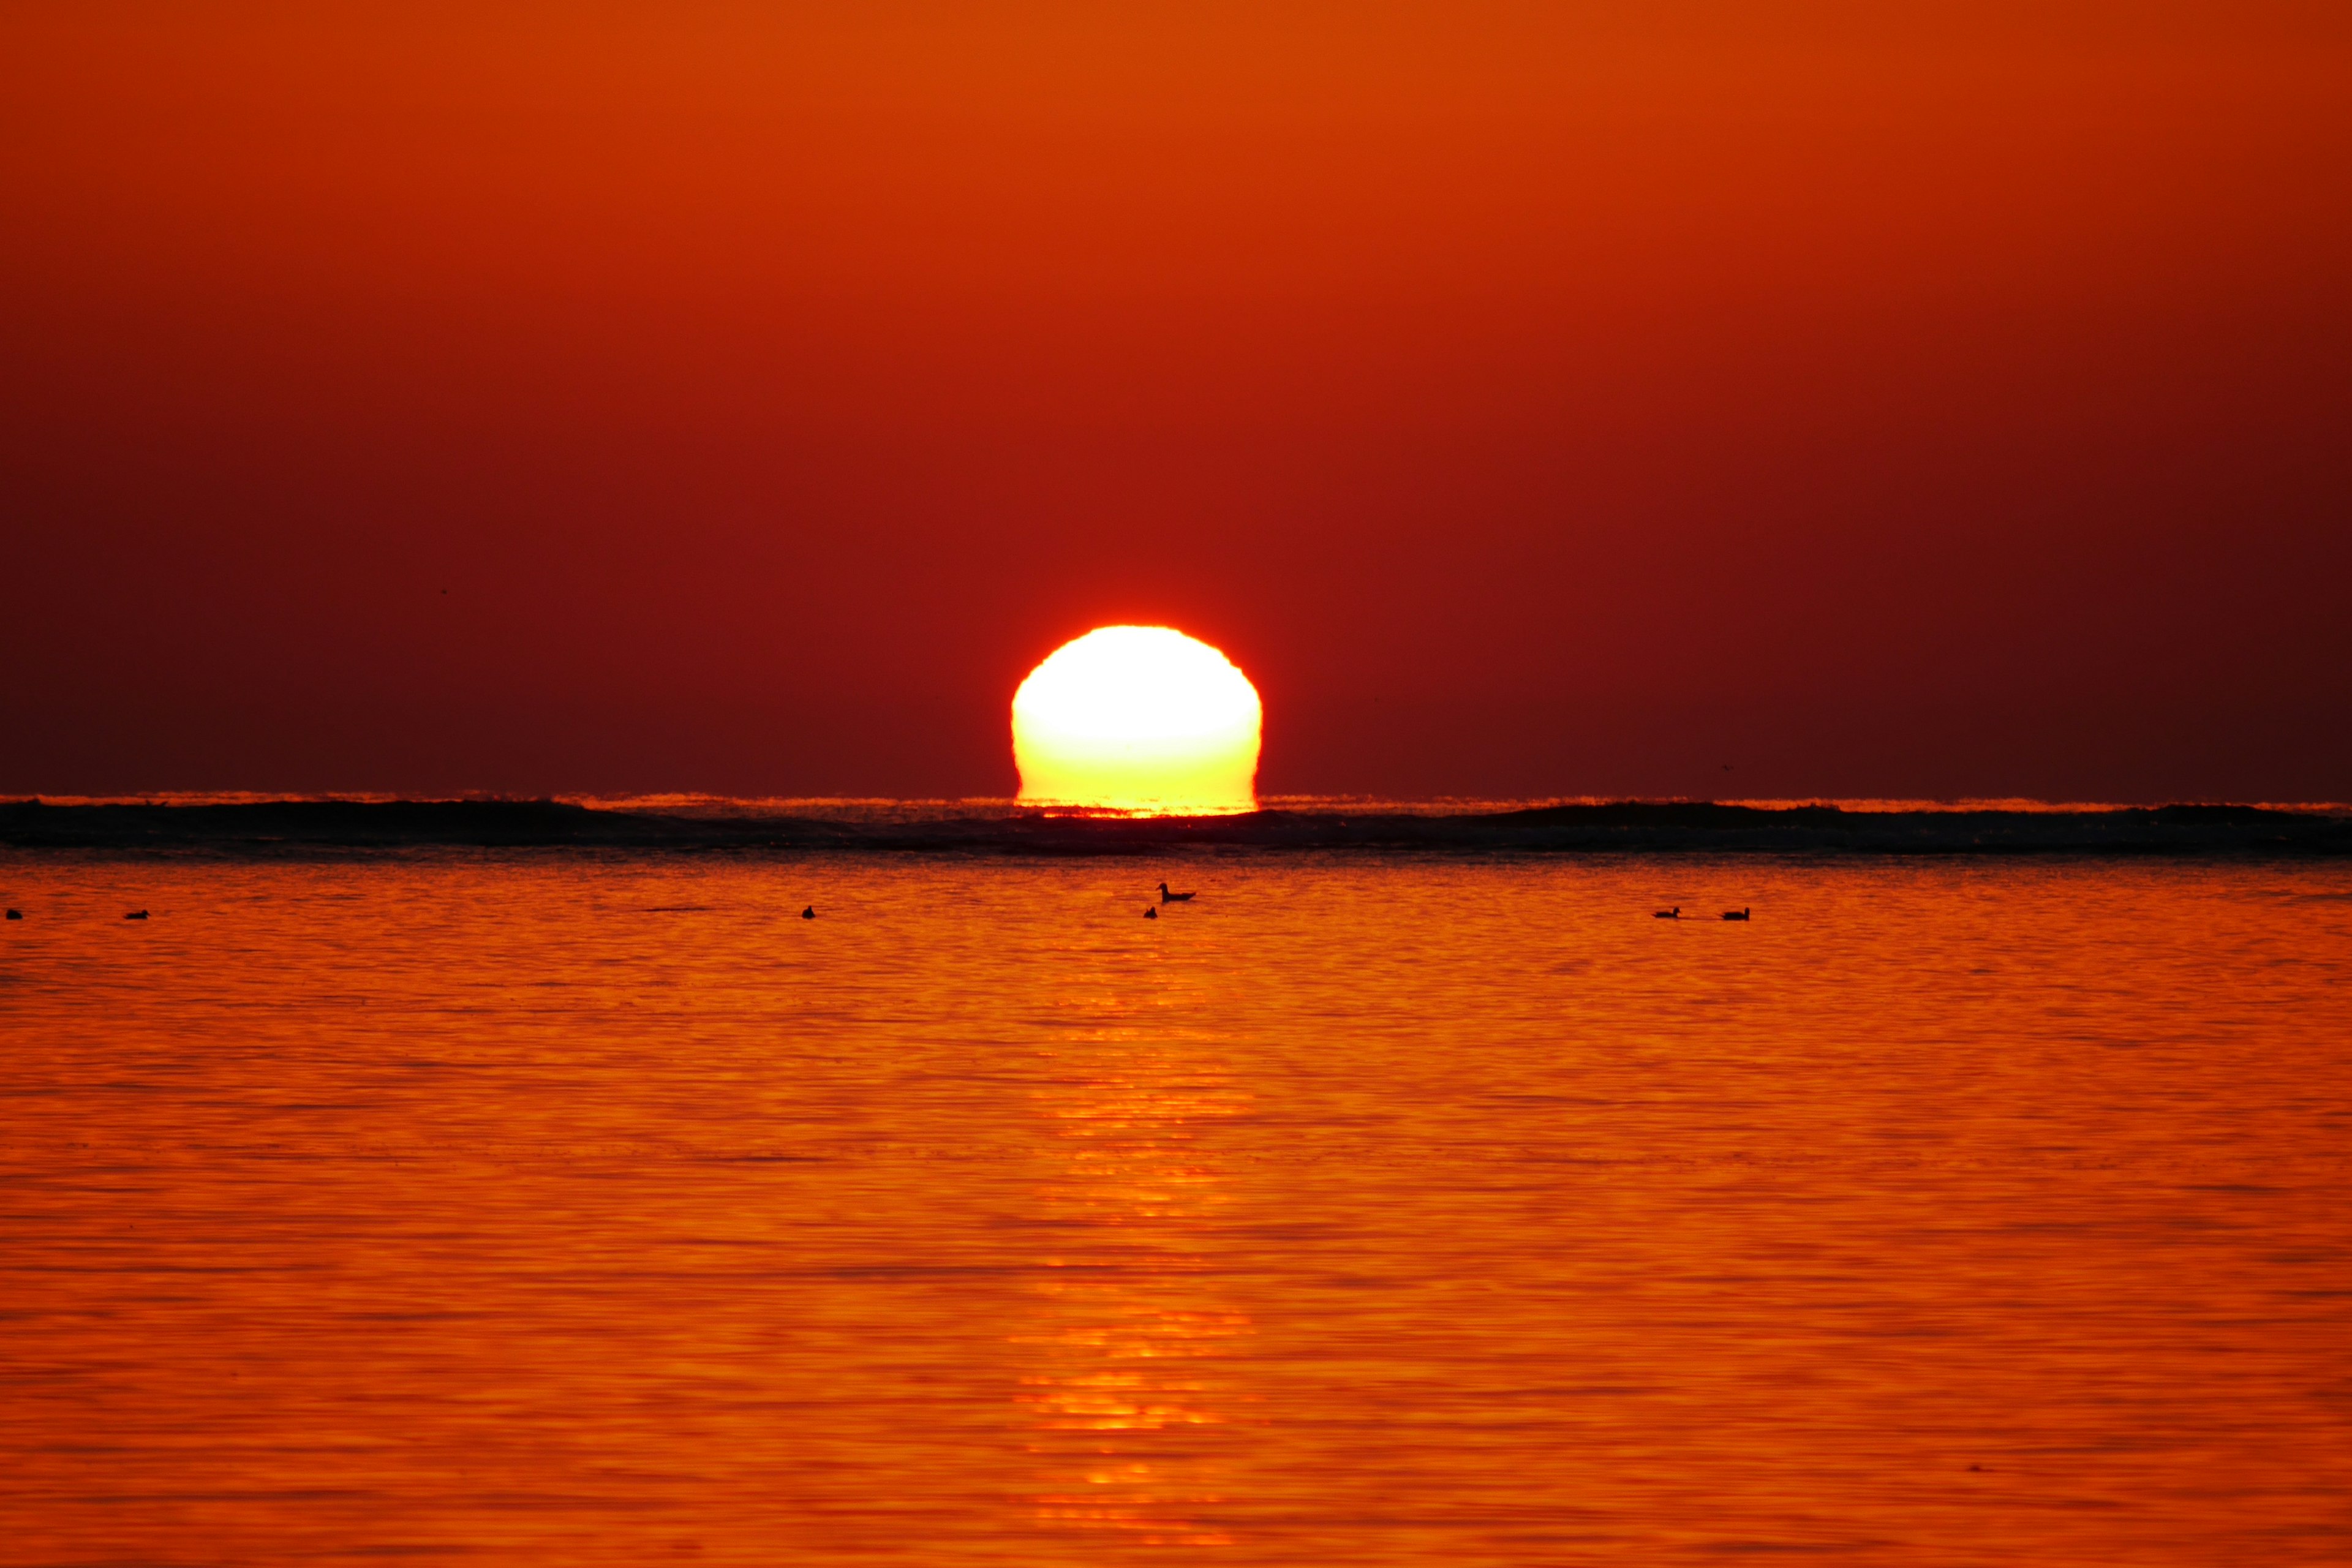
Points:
[(1138, 719)]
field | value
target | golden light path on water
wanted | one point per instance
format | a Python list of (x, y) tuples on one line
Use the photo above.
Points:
[(597, 1208)]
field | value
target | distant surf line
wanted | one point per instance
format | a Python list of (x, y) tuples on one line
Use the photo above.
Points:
[(296, 824)]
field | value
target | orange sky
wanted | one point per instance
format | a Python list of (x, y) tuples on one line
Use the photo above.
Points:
[(1530, 398)]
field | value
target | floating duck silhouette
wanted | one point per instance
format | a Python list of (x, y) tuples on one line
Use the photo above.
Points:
[(1151, 913), (1167, 897), (1735, 914), (809, 913), (136, 915), (15, 914), (1672, 914)]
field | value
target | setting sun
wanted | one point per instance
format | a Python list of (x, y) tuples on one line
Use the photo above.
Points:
[(1138, 719)]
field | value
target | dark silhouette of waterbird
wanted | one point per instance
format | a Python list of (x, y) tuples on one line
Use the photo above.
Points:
[(136, 915), (1167, 897), (1672, 914), (15, 914), (1735, 914), (809, 913), (1150, 912)]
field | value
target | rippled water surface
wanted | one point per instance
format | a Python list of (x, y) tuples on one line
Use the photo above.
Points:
[(551, 1208)]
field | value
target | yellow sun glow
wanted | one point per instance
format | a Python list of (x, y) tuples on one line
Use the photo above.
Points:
[(1138, 719)]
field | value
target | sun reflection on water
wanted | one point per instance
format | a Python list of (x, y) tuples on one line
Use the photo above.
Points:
[(1386, 1211), (1130, 1368)]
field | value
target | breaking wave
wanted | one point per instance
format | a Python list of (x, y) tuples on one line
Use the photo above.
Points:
[(251, 824)]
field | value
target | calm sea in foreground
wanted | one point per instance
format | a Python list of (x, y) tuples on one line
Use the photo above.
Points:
[(584, 1206)]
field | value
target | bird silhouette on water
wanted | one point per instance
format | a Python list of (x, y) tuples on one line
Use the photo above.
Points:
[(136, 915), (1167, 897), (1151, 913), (1672, 914), (809, 913), (1735, 914), (15, 914)]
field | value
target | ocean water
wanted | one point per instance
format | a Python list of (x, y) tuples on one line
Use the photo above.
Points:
[(592, 1207)]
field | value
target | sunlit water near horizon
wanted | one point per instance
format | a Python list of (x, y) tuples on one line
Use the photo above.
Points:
[(894, 808), (594, 1207)]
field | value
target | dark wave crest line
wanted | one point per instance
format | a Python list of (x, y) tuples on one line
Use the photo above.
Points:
[(297, 827)]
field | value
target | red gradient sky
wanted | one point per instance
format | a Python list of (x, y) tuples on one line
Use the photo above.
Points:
[(1533, 399)]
